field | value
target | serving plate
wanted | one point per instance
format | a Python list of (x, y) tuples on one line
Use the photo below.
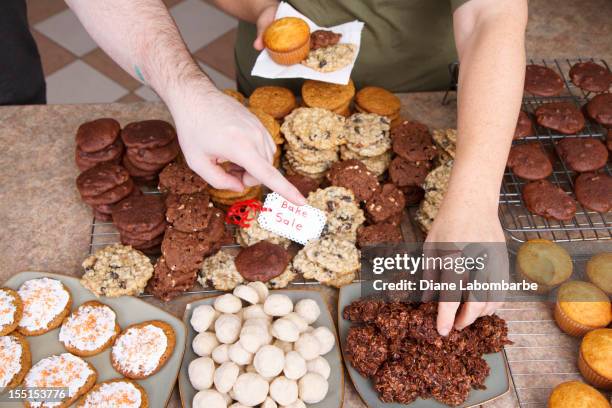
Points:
[(129, 310), (497, 383), (335, 395)]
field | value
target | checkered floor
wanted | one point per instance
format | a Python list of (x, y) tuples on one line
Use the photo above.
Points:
[(77, 71)]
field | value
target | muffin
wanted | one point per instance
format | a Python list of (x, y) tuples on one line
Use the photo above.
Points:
[(574, 394), (595, 358), (276, 101), (581, 307), (287, 40), (543, 262), (599, 271)]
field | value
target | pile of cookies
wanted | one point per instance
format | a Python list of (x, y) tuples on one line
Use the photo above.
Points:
[(140, 221), (367, 139), (334, 97), (150, 146), (97, 142)]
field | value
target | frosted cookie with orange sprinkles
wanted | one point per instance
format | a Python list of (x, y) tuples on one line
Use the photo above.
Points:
[(11, 309), (90, 329), (45, 304), (117, 393), (65, 371), (142, 349), (15, 360)]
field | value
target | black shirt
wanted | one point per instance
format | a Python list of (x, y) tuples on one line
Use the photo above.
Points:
[(21, 76)]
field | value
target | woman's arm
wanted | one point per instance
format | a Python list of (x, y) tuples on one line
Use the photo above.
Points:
[(490, 37)]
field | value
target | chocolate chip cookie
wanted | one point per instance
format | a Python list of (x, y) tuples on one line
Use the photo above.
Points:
[(563, 117), (600, 109), (413, 142), (542, 81), (594, 191), (262, 261), (529, 161), (178, 178), (97, 135), (166, 284), (139, 214), (188, 212), (543, 198), (377, 234), (583, 154), (405, 173), (591, 77), (386, 203), (355, 176)]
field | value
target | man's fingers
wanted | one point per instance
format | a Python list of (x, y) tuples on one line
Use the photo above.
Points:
[(446, 317), (258, 43), (469, 313), (248, 180), (271, 177), (215, 175)]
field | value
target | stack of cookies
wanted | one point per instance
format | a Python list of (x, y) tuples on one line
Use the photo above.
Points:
[(98, 142), (334, 97), (104, 185), (373, 99), (151, 145), (446, 141), (226, 198), (435, 186), (341, 210), (384, 212), (367, 140), (415, 150), (313, 138), (140, 221)]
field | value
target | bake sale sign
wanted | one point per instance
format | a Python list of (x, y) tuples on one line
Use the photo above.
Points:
[(297, 223)]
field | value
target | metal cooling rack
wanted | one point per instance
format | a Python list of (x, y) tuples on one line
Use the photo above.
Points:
[(520, 224)]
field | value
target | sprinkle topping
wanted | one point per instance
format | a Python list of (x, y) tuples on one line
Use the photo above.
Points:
[(139, 349), (89, 328), (43, 299), (117, 394), (7, 309), (10, 359)]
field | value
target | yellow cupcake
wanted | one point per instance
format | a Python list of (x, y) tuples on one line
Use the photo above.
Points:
[(287, 40), (543, 262), (574, 394), (599, 271), (582, 307), (595, 358)]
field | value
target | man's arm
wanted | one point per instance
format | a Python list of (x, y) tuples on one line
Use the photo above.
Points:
[(490, 37), (143, 39)]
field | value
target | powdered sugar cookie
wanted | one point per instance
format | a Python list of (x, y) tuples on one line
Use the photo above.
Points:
[(143, 348), (63, 370), (11, 309), (116, 393), (45, 304), (90, 329), (15, 360)]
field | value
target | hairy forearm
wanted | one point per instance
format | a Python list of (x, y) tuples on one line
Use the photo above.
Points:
[(142, 38), (492, 59), (247, 10)]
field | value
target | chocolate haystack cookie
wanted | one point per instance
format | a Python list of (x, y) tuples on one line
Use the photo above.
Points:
[(385, 204), (97, 135), (543, 198), (178, 178), (563, 117), (166, 284), (304, 184), (355, 176), (594, 191), (524, 126), (262, 261), (583, 154), (404, 173), (376, 234), (323, 38), (400, 349), (591, 77), (413, 142), (529, 161), (600, 109), (189, 212), (542, 81)]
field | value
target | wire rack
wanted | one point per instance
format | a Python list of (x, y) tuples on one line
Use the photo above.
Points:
[(519, 224)]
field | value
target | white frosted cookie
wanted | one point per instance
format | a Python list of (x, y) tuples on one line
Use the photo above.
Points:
[(11, 309), (90, 329), (117, 393), (142, 349), (15, 360), (45, 304), (63, 370)]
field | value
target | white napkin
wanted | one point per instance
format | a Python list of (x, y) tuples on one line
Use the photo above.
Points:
[(351, 34)]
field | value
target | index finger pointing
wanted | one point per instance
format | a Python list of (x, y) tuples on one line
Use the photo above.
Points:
[(272, 178)]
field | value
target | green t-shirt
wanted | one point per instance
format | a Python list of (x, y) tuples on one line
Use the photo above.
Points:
[(406, 45)]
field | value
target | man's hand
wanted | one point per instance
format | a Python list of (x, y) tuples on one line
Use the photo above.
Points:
[(263, 21)]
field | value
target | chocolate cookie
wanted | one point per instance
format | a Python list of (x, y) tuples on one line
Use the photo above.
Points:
[(594, 191), (101, 178), (135, 171), (97, 135), (542, 81), (524, 126), (355, 176), (142, 166), (563, 117), (111, 153), (528, 161), (413, 194), (404, 173), (609, 139), (111, 196), (377, 234), (386, 203), (413, 142), (188, 212), (543, 198), (143, 235), (178, 178), (323, 38), (262, 261), (304, 184), (166, 284), (139, 214), (591, 77), (108, 208), (156, 156), (600, 109), (100, 216), (148, 134), (141, 244), (583, 154), (185, 251)]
